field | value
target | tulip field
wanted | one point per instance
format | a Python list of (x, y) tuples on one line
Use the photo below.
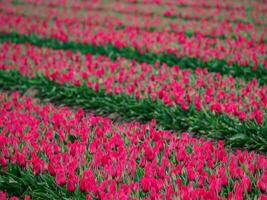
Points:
[(133, 99)]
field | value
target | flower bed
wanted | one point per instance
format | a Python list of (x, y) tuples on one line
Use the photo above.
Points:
[(125, 161), (202, 90), (175, 46), (152, 99), (119, 20)]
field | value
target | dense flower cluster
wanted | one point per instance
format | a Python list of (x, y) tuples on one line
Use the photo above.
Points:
[(187, 65), (108, 17), (214, 14), (203, 90), (224, 5), (242, 51), (122, 161)]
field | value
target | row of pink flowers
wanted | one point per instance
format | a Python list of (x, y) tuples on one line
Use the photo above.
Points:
[(211, 14), (225, 6), (108, 18), (4, 196), (221, 94), (121, 160), (242, 51)]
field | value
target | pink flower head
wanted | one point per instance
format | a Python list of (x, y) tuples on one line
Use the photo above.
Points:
[(61, 177), (27, 197), (145, 184), (3, 195), (14, 198)]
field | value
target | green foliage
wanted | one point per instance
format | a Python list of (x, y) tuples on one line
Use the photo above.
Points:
[(20, 182), (189, 33), (236, 133)]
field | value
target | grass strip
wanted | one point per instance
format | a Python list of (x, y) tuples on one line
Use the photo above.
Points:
[(235, 133), (215, 65), (19, 182)]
